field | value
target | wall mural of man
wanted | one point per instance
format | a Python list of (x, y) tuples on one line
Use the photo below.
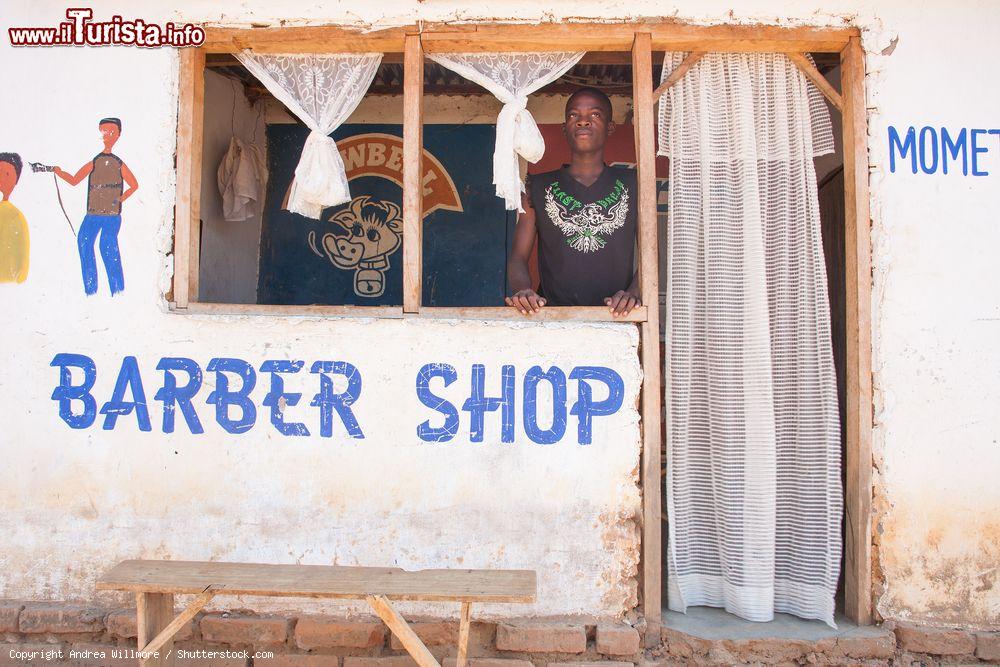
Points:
[(107, 175), (14, 244)]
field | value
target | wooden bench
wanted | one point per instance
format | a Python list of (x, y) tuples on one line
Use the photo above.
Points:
[(156, 582)]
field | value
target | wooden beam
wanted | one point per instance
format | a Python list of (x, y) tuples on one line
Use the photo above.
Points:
[(413, 213), (666, 36), (153, 614), (167, 634), (749, 38), (590, 58), (818, 80), (463, 635), (187, 208), (857, 231), (303, 39), (320, 581), (642, 94), (407, 637), (678, 73), (279, 310), (590, 37), (546, 314), (572, 36), (197, 146)]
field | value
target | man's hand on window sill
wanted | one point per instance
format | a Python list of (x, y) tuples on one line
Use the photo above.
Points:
[(622, 303), (526, 301)]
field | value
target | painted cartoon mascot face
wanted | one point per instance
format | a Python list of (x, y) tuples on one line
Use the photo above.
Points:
[(372, 231)]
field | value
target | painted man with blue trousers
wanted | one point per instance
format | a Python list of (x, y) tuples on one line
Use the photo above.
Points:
[(107, 176)]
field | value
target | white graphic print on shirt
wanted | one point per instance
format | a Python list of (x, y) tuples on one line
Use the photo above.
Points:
[(587, 225)]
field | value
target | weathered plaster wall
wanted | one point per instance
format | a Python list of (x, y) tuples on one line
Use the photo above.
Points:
[(76, 501), (936, 306), (81, 500), (937, 319)]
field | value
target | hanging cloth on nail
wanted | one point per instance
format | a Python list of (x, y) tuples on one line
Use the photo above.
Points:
[(242, 179)]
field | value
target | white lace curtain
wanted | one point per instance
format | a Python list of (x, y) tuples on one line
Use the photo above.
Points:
[(322, 91), (754, 498), (511, 77)]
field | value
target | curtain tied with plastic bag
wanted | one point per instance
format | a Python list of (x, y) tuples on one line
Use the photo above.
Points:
[(320, 177), (321, 91), (511, 77)]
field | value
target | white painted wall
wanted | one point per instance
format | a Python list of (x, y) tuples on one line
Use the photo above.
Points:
[(78, 501)]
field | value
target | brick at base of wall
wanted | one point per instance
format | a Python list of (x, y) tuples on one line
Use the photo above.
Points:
[(541, 637), (311, 640), (618, 639), (122, 624), (298, 660), (934, 641), (43, 617), (245, 630), (988, 646), (331, 632)]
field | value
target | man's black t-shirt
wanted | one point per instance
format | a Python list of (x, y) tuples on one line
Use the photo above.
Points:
[(586, 235)]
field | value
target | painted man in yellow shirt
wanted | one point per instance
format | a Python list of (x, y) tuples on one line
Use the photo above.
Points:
[(13, 226)]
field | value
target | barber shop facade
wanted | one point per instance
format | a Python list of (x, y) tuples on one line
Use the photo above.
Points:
[(253, 300)]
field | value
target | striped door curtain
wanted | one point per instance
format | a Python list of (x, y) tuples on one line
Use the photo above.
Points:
[(754, 497)]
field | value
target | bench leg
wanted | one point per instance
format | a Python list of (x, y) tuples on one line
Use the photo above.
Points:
[(407, 637), (463, 635), (154, 612), (157, 633)]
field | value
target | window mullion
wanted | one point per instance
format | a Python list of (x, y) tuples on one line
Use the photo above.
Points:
[(642, 106), (413, 95), (187, 211)]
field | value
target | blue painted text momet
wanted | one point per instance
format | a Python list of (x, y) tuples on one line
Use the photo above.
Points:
[(931, 150)]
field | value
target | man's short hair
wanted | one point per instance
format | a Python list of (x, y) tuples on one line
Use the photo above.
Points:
[(114, 121), (594, 92), (14, 160)]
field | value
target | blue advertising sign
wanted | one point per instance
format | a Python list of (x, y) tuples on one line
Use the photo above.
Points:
[(353, 254)]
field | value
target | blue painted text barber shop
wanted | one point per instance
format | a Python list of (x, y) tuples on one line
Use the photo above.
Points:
[(338, 386)]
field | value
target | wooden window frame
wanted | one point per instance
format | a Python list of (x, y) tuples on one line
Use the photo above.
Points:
[(641, 39)]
